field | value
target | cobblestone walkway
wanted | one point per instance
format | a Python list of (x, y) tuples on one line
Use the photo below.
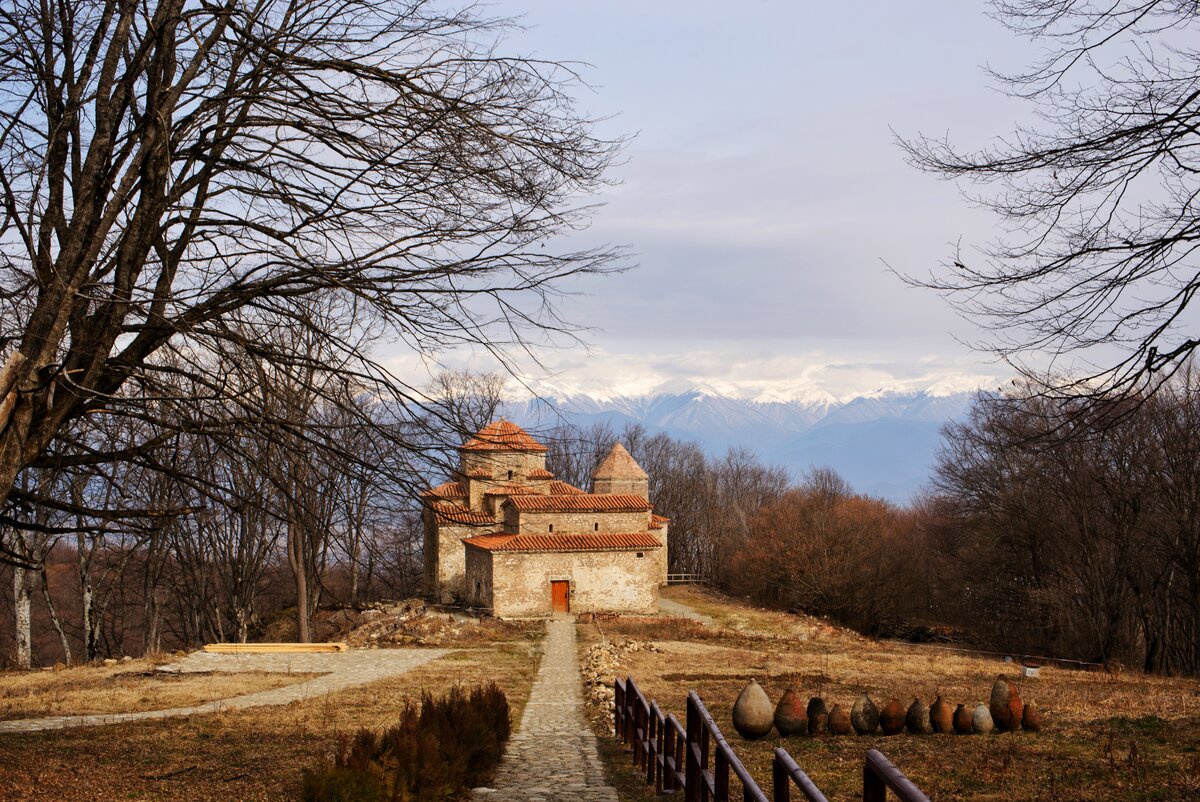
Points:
[(344, 670), (552, 757)]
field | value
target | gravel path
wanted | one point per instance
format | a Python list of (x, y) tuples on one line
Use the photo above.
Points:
[(681, 610), (552, 757), (339, 669)]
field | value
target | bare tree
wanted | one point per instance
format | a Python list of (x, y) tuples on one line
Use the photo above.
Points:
[(172, 173), (1099, 202)]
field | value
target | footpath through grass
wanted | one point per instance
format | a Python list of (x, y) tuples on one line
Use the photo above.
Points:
[(1113, 736), (255, 754)]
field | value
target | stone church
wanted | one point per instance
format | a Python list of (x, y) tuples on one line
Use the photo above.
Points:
[(504, 535)]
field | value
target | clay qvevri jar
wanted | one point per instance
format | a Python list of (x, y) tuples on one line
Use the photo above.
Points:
[(981, 720), (1031, 718), (916, 720), (864, 716), (818, 716), (839, 721), (1005, 705), (962, 720), (891, 717), (941, 716), (753, 713), (790, 715)]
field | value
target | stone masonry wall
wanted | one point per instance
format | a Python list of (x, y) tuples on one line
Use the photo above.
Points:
[(612, 484), (478, 578), (574, 523), (609, 581)]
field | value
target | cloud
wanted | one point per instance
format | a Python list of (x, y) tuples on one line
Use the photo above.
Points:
[(813, 376)]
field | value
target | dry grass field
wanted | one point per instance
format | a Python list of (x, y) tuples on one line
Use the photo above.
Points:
[(1113, 736), (123, 688), (255, 754)]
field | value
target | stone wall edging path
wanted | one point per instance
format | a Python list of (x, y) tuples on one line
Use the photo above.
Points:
[(340, 670), (553, 757)]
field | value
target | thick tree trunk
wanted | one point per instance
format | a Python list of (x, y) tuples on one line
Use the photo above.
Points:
[(300, 573), (21, 609)]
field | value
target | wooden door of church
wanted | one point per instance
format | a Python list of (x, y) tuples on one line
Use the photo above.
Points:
[(560, 595)]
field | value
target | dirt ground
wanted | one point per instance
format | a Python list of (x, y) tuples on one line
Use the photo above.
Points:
[(255, 754), (1121, 736)]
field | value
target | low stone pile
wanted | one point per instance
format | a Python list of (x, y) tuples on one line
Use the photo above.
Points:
[(601, 662), (753, 715), (404, 623)]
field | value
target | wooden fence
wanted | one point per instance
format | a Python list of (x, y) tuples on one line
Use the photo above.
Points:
[(687, 579), (674, 758)]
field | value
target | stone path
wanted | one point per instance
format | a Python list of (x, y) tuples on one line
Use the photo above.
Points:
[(552, 757), (339, 670)]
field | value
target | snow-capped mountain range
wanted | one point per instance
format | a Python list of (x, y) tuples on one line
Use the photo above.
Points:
[(884, 444)]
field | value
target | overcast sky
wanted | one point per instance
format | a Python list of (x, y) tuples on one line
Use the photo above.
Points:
[(763, 191)]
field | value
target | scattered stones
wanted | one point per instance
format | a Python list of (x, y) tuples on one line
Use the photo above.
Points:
[(891, 717), (752, 712), (916, 720), (791, 718), (941, 716), (864, 716), (839, 721), (981, 720)]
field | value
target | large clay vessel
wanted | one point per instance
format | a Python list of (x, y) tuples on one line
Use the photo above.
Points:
[(839, 721), (981, 720), (1031, 718), (864, 716), (917, 718), (1005, 705), (962, 720), (753, 712), (941, 716), (790, 715), (818, 716), (891, 717)]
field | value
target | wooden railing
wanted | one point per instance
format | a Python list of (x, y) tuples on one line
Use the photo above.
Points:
[(674, 758), (686, 579)]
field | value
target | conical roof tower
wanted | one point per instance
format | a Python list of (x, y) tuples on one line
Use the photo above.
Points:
[(619, 473)]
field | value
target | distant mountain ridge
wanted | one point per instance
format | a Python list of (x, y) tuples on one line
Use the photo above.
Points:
[(884, 444)]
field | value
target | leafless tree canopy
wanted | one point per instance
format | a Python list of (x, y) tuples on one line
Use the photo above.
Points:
[(1096, 262), (188, 186)]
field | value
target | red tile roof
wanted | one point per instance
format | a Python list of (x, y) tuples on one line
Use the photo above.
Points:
[(603, 541), (582, 502), (454, 514), (502, 435), (658, 521), (540, 473), (479, 473), (558, 488), (446, 490)]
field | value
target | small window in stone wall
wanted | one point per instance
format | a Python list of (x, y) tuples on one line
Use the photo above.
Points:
[(551, 527), (640, 555), (510, 476), (597, 529)]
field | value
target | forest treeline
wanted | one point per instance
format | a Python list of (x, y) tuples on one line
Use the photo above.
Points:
[(1044, 533)]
